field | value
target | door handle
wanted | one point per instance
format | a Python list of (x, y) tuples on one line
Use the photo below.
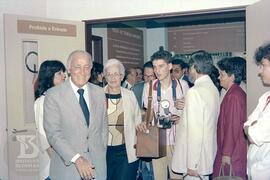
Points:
[(15, 131)]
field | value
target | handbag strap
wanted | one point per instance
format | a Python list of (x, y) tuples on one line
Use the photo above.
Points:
[(149, 111), (221, 170), (186, 175)]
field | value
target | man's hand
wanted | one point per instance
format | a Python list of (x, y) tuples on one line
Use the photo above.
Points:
[(175, 119), (85, 168), (226, 160), (191, 172), (179, 104)]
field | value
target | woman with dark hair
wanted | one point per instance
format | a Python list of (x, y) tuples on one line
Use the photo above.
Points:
[(51, 73), (97, 77), (231, 141)]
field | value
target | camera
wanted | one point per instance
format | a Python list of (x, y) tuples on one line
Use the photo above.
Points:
[(165, 122)]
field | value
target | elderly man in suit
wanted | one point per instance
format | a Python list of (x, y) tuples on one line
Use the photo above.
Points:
[(130, 78), (75, 124), (196, 145)]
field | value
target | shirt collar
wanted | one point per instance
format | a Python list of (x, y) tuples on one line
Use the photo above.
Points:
[(202, 79), (75, 88)]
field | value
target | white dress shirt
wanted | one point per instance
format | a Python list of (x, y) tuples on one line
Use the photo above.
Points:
[(86, 97)]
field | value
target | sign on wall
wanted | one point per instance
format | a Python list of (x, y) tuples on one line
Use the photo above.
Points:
[(126, 45), (225, 37), (46, 28)]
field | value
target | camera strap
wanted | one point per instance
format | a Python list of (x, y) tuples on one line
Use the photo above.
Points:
[(174, 84)]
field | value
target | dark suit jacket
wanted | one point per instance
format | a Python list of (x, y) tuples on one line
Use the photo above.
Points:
[(138, 91), (68, 134)]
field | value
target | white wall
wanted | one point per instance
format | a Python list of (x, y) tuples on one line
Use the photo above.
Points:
[(25, 7), (257, 33), (92, 9), (154, 38), (102, 32)]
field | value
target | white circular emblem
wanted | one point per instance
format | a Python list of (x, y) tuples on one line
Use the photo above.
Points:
[(165, 104)]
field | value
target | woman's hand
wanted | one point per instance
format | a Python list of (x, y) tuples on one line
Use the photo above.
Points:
[(142, 127), (226, 160), (49, 151)]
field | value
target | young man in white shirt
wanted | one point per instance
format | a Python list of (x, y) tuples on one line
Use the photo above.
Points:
[(167, 102)]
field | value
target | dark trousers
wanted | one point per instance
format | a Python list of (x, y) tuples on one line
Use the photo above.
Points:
[(118, 167), (145, 170)]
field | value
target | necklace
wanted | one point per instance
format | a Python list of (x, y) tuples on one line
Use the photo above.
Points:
[(117, 97), (117, 101)]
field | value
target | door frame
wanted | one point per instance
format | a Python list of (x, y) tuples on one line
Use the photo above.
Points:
[(186, 18)]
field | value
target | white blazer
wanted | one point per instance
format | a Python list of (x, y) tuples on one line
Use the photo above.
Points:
[(196, 143), (259, 132), (44, 159)]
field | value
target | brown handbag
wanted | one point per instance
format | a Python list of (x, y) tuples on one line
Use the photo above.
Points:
[(151, 144)]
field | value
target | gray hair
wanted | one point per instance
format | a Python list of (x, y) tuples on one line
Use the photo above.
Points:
[(114, 62), (202, 62), (79, 54)]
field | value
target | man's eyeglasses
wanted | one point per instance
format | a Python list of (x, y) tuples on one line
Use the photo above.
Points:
[(148, 76), (176, 70)]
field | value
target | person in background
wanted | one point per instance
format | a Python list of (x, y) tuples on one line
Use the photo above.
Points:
[(257, 127), (130, 78), (167, 102), (231, 141), (214, 75), (178, 70), (51, 73), (195, 146), (145, 165), (124, 117), (97, 77), (139, 74), (148, 75), (186, 73), (75, 122)]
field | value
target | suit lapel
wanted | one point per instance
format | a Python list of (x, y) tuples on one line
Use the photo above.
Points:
[(92, 104)]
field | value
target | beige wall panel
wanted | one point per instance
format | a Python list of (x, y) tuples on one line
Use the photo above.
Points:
[(53, 46), (257, 33)]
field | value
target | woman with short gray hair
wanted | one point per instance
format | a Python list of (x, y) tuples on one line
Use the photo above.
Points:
[(124, 117)]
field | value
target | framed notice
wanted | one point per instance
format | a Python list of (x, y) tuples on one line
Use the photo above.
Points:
[(126, 45), (223, 37)]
